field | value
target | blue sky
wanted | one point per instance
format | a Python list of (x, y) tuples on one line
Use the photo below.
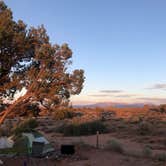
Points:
[(120, 44)]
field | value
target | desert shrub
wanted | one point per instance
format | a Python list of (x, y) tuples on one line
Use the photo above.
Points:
[(107, 115), (64, 113), (161, 157), (81, 144), (162, 108), (3, 132), (21, 145), (25, 126), (115, 146), (6, 129), (147, 151), (86, 128), (136, 119), (144, 128)]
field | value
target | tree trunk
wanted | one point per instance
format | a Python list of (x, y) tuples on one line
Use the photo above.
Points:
[(26, 96), (9, 109)]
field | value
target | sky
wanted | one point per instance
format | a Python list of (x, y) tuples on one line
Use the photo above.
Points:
[(120, 44)]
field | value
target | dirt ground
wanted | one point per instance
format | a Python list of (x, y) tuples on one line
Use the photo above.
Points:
[(106, 158), (86, 157), (132, 142)]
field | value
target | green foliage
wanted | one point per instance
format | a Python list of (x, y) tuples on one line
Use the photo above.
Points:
[(115, 146), (3, 132), (88, 128), (6, 129), (147, 151), (61, 114), (161, 157), (46, 77), (21, 145), (144, 128), (26, 126)]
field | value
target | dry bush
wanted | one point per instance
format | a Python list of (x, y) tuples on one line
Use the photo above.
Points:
[(144, 128), (161, 157), (115, 146), (147, 151), (63, 113), (6, 129), (4, 132)]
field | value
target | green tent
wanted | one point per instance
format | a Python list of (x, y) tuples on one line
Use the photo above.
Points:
[(38, 145)]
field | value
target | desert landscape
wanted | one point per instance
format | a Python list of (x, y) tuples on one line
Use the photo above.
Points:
[(95, 99), (132, 136)]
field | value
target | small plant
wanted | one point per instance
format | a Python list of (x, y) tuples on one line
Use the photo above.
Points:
[(82, 144), (21, 145), (64, 113), (6, 129), (3, 132), (115, 146), (147, 151), (25, 126), (144, 128), (161, 157)]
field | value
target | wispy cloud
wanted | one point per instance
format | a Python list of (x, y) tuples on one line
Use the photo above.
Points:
[(99, 95), (158, 87), (113, 95), (125, 95), (152, 99), (111, 91)]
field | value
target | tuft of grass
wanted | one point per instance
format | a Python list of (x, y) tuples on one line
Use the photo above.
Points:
[(144, 128), (82, 144), (115, 145), (21, 145), (6, 129), (147, 151), (161, 157)]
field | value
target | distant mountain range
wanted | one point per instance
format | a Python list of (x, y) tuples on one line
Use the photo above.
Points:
[(110, 104)]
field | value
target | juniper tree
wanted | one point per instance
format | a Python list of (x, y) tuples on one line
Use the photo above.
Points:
[(29, 61)]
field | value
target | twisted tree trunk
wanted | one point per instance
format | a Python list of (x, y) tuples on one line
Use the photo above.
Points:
[(20, 99), (10, 108)]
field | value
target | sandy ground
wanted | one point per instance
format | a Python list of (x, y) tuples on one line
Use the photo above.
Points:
[(107, 158), (128, 143), (88, 157)]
